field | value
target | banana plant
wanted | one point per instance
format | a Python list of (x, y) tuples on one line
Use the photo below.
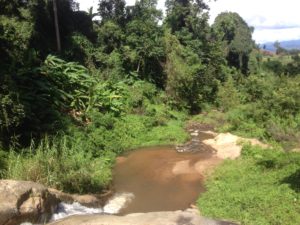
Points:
[(80, 91)]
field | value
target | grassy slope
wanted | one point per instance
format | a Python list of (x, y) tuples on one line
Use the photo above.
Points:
[(260, 188)]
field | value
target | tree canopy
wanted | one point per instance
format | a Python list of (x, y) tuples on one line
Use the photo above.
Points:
[(236, 36)]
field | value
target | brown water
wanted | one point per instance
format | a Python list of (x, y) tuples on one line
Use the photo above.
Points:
[(161, 179)]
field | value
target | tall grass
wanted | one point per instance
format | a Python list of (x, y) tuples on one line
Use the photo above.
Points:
[(81, 161), (62, 163)]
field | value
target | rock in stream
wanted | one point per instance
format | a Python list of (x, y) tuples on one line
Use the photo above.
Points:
[(25, 201)]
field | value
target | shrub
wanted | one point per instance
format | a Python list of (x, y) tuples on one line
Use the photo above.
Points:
[(228, 96), (139, 94), (3, 163), (12, 112)]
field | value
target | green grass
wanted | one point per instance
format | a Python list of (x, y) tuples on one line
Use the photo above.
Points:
[(284, 59), (63, 163), (213, 117), (248, 121), (81, 160), (260, 188), (158, 125), (134, 131), (171, 133), (234, 121)]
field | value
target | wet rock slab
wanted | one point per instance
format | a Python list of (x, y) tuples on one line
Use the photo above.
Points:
[(85, 200), (25, 201), (221, 145), (187, 217), (198, 133)]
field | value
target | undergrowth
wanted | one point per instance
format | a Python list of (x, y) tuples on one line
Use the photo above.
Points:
[(81, 158)]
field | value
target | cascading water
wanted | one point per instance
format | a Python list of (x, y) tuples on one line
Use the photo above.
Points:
[(118, 202), (113, 206), (75, 208)]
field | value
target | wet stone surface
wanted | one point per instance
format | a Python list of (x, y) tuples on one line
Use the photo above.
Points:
[(199, 133)]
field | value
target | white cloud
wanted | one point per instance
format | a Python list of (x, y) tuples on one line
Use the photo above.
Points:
[(272, 35), (86, 4), (273, 19)]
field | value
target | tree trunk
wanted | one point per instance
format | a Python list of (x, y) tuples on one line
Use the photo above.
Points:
[(139, 64), (56, 26)]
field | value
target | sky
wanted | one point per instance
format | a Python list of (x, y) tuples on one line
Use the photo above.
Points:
[(273, 20)]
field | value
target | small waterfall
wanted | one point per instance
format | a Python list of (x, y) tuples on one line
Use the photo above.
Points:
[(113, 206), (118, 202), (75, 208)]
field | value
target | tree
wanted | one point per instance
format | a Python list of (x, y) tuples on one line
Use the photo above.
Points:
[(190, 81), (91, 12), (279, 49), (188, 20), (144, 40), (184, 14), (110, 36), (236, 36), (56, 26), (201, 52), (112, 10), (11, 7)]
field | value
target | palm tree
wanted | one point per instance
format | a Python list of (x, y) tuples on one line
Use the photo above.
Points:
[(56, 26), (91, 14)]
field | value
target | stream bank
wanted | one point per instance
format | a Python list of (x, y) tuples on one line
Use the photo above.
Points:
[(170, 180), (161, 177)]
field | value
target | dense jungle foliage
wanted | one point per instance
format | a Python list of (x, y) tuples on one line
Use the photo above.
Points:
[(75, 99)]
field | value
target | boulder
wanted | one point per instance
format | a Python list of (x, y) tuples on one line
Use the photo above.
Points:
[(229, 146), (25, 201), (296, 150)]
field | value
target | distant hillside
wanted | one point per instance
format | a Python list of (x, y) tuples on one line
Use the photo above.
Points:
[(294, 44)]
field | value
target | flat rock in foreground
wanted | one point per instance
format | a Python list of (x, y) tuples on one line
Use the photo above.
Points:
[(188, 217)]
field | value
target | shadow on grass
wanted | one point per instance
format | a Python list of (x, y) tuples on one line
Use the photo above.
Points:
[(293, 180), (267, 164)]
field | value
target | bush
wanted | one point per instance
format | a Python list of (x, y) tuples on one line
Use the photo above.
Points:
[(228, 96), (269, 111), (12, 112), (242, 121), (139, 94), (3, 163), (132, 131)]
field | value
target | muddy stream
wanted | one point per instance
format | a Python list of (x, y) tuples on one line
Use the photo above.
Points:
[(153, 179), (161, 178)]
